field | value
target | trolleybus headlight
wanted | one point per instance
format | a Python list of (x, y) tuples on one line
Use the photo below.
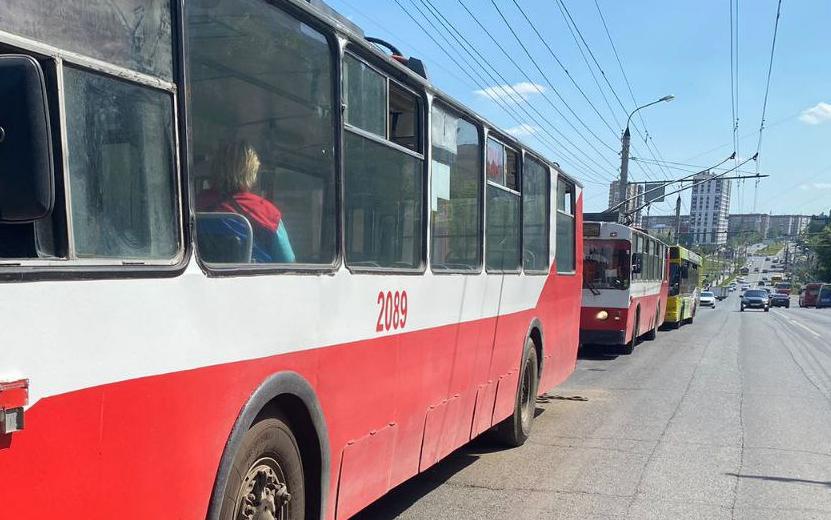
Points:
[(602, 316)]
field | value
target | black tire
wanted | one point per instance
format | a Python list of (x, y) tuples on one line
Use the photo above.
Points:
[(514, 430), (630, 347), (653, 333), (269, 467)]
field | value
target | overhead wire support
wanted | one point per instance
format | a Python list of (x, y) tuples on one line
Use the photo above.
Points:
[(767, 91), (666, 183), (697, 183), (513, 94)]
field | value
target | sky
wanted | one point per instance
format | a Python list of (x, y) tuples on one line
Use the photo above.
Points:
[(568, 97)]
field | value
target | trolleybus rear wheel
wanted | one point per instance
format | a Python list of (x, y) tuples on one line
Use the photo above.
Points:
[(266, 480), (514, 430)]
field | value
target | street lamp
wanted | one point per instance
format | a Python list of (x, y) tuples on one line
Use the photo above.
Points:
[(624, 155)]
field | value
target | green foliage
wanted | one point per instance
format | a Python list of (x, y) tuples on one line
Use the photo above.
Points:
[(820, 244)]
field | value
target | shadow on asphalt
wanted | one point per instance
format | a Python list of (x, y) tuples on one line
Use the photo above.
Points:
[(598, 353), (408, 493), (783, 479)]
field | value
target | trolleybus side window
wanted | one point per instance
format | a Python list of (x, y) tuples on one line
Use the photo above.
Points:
[(565, 226), (456, 192), (502, 245), (121, 168), (134, 34), (262, 90), (535, 195), (383, 176)]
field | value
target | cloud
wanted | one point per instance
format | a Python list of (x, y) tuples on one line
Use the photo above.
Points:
[(522, 130), (817, 114), (511, 93), (816, 186)]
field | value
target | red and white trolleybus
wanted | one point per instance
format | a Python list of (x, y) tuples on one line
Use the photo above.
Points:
[(253, 267), (625, 285)]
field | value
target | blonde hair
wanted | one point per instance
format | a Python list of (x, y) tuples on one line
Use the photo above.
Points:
[(235, 168)]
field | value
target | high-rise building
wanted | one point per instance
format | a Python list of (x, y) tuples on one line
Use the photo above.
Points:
[(634, 192), (709, 209)]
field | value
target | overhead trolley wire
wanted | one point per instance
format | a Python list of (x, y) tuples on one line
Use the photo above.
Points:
[(648, 137), (514, 95), (767, 91), (542, 72), (625, 76), (564, 8), (466, 70), (462, 41), (541, 91)]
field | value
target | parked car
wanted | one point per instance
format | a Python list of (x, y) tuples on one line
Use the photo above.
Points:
[(808, 296), (780, 300), (758, 299), (824, 296), (707, 299), (761, 283)]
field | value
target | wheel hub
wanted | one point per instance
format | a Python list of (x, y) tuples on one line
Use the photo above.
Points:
[(263, 494)]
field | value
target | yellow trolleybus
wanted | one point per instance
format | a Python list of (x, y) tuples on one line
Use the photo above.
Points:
[(682, 303)]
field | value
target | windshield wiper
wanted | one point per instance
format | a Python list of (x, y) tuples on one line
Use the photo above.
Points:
[(592, 288)]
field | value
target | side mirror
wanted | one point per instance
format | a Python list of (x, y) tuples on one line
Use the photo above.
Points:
[(637, 263), (27, 191)]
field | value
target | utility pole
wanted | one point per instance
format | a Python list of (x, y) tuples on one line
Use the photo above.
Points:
[(624, 158), (624, 173), (678, 220)]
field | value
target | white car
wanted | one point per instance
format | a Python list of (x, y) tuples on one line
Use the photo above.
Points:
[(707, 299)]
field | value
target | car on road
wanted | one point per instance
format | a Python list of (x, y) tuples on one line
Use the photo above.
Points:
[(780, 300), (761, 283), (756, 299), (808, 296), (707, 299), (824, 296)]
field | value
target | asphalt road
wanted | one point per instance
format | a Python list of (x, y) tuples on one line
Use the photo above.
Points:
[(729, 417)]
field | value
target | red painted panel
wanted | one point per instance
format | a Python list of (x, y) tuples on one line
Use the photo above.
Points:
[(483, 413), (364, 473), (178, 423)]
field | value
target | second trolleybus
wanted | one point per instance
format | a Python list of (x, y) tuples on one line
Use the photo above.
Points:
[(624, 285)]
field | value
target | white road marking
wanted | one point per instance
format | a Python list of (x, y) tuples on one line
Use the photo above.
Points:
[(809, 329)]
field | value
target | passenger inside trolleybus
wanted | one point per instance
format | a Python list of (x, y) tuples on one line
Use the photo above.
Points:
[(233, 176), (606, 264)]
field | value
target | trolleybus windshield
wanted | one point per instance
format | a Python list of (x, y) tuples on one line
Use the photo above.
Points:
[(606, 264)]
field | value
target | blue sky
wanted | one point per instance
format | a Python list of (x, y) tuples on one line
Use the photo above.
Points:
[(680, 48)]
